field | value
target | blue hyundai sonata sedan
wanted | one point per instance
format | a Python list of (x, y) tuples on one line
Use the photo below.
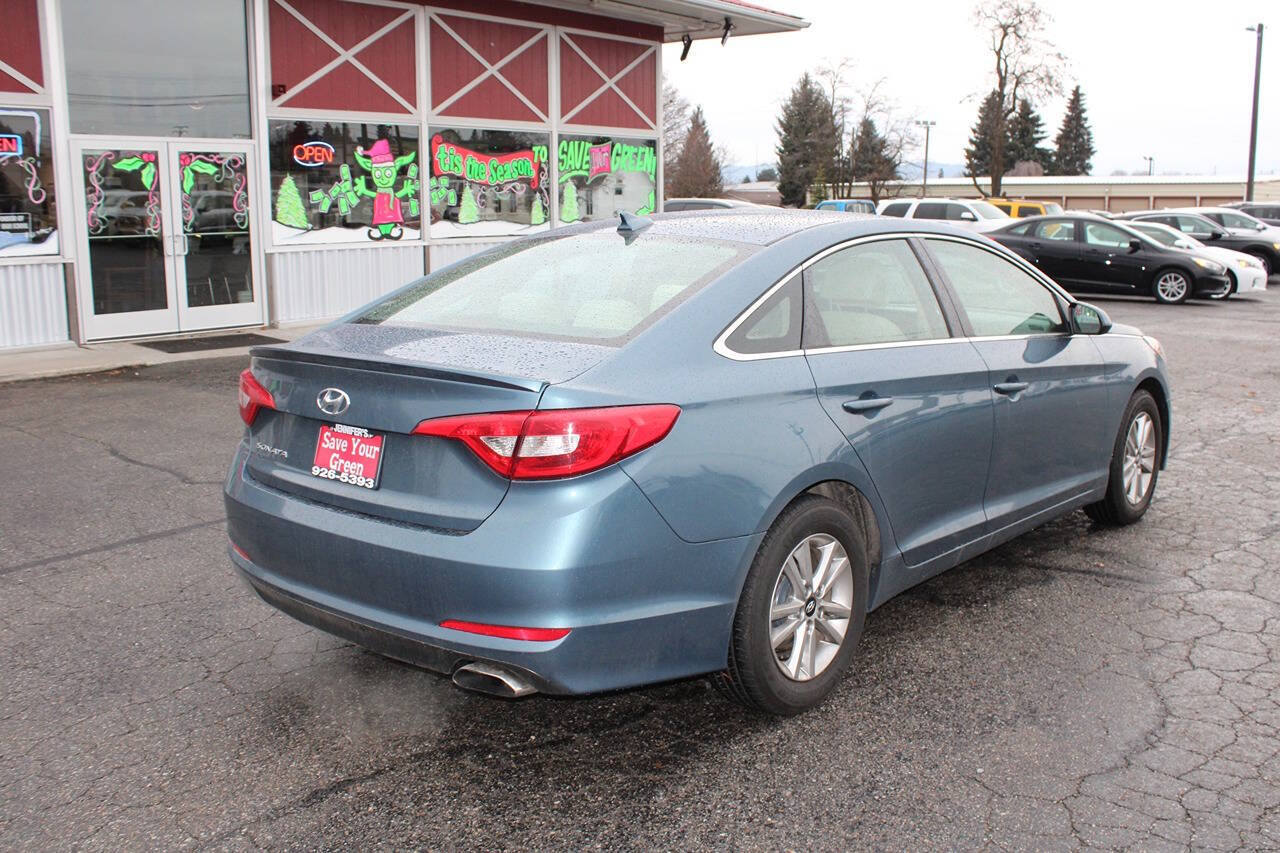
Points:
[(706, 443)]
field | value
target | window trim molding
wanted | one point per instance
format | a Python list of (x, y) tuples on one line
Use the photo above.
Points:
[(721, 347)]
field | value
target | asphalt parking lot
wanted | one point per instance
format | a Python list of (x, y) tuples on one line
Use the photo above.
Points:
[(1078, 687)]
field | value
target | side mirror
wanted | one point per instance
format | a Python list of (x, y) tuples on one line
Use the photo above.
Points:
[(1135, 245), (1217, 235), (1089, 319), (966, 216)]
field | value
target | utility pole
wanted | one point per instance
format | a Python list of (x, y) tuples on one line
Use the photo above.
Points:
[(924, 180), (1253, 127), (1151, 165)]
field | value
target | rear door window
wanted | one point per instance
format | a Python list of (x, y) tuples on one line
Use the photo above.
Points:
[(1105, 236), (898, 208), (589, 287), (1056, 230), (930, 210), (999, 297), (872, 293)]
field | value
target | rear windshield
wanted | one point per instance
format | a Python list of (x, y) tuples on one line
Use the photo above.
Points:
[(583, 287)]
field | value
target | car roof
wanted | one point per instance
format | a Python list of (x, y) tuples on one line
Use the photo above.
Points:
[(726, 202), (761, 226)]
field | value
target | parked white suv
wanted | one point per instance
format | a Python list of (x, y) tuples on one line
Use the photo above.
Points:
[(975, 214)]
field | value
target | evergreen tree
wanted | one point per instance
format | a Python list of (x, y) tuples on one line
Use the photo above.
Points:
[(569, 203), (538, 215), (1075, 140), (806, 138), (697, 170), (768, 173), (870, 158), (289, 208), (468, 212), (986, 136), (1026, 132)]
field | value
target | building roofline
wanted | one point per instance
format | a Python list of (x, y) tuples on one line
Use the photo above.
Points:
[(699, 19)]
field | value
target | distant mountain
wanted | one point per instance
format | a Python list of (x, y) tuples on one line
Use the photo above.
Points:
[(734, 174), (911, 171)]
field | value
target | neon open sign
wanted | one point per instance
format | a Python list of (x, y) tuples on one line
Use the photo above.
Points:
[(312, 154), (10, 145)]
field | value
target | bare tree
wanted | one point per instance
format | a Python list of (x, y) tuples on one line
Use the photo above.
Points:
[(1025, 64), (675, 124), (832, 76), (878, 160)]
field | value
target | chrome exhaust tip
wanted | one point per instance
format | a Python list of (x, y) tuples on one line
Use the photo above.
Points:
[(493, 680)]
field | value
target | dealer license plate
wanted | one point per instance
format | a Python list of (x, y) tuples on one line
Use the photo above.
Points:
[(349, 455)]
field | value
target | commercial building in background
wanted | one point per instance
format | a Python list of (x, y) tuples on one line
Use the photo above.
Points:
[(1119, 193), (171, 167)]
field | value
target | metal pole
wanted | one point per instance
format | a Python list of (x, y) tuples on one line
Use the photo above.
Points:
[(1253, 126), (1151, 165), (924, 180)]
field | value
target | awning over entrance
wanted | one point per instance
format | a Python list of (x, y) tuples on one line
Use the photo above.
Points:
[(699, 19)]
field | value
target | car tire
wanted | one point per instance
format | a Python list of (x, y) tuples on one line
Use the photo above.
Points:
[(1123, 503), (1226, 294), (756, 676), (1163, 289), (1264, 260)]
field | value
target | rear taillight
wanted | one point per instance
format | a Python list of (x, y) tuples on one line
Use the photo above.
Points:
[(507, 632), (556, 443), (253, 397)]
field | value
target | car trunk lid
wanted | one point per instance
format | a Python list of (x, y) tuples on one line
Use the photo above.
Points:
[(390, 379)]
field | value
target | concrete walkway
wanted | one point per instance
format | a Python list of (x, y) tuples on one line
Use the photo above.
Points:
[(69, 359)]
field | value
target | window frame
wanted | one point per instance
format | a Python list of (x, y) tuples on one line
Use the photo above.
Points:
[(1060, 296), (954, 319)]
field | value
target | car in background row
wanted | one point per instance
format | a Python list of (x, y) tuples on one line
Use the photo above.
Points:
[(848, 205), (1022, 207), (974, 214), (1261, 244), (702, 444), (675, 205), (1268, 213), (1245, 271), (1089, 254)]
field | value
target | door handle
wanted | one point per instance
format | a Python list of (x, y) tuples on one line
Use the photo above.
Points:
[(1011, 388), (865, 405)]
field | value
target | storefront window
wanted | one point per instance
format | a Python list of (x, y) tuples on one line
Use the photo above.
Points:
[(488, 183), (601, 175), (157, 68), (335, 182), (28, 224)]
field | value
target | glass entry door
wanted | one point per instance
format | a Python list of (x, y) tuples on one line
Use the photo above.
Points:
[(167, 243)]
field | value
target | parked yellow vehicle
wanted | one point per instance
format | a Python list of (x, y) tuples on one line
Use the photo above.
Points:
[(1019, 207)]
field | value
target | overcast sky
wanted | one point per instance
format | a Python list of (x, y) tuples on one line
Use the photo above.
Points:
[(1169, 80)]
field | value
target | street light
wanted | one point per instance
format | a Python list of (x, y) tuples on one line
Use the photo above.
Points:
[(924, 182), (1151, 165), (1253, 127)]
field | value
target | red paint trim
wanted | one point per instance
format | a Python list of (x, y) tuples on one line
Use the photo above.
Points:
[(20, 44), (518, 12)]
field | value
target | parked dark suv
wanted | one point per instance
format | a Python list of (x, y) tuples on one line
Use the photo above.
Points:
[(1262, 246), (1088, 254), (1268, 213)]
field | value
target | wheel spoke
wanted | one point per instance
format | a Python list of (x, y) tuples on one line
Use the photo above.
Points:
[(838, 567), (784, 632), (833, 610), (804, 564), (785, 609), (820, 573), (793, 577), (827, 628), (797, 651), (811, 642)]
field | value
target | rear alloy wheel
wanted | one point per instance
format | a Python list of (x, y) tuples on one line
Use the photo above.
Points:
[(1135, 464), (801, 612), (1264, 260), (1172, 287)]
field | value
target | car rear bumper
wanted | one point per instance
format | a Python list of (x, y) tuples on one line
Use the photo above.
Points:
[(589, 554)]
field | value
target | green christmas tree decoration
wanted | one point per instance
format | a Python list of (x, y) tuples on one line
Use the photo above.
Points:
[(538, 216), (468, 212), (289, 208), (569, 206)]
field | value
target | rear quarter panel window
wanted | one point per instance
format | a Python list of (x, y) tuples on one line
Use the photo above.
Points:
[(774, 327), (998, 297)]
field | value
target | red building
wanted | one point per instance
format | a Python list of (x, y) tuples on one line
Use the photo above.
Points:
[(172, 167)]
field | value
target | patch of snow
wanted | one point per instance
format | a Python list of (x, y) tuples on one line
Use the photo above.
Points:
[(284, 235), (22, 248)]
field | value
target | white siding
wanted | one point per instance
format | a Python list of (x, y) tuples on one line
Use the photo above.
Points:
[(33, 305), (323, 284), (443, 254)]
